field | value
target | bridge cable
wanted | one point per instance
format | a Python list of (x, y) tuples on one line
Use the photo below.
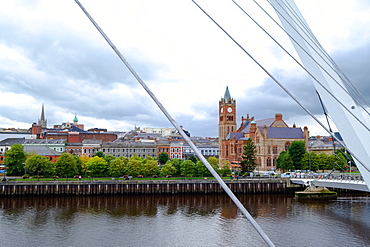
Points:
[(311, 36), (187, 139), (313, 59), (338, 69), (276, 81), (308, 72)]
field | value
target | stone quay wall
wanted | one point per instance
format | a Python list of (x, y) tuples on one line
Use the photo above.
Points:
[(136, 187)]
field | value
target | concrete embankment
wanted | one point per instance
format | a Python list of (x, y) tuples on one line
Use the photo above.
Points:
[(121, 187)]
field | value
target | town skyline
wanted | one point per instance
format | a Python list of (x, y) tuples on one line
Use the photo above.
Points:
[(187, 62)]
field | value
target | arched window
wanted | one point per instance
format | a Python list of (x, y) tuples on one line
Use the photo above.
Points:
[(287, 145), (268, 161)]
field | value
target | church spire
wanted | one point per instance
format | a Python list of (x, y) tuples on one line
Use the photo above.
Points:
[(42, 121), (42, 113)]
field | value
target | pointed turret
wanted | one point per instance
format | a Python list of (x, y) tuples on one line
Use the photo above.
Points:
[(227, 97)]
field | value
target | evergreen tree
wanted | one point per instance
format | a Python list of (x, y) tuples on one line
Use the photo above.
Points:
[(248, 162)]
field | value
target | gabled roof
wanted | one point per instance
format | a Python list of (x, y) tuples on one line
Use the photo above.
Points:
[(283, 133), (11, 141), (41, 150)]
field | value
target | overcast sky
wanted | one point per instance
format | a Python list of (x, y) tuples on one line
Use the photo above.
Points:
[(51, 54)]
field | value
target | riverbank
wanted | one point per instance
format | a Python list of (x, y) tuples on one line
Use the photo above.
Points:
[(137, 187)]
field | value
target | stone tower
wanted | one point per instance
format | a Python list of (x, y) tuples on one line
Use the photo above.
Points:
[(226, 120)]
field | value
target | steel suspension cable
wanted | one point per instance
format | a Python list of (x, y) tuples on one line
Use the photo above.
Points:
[(186, 138), (278, 83), (340, 73), (318, 45), (308, 72), (336, 68)]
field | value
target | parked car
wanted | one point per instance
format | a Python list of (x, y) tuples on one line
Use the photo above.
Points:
[(269, 174), (287, 175)]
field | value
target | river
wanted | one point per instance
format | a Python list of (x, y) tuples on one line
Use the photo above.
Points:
[(183, 220)]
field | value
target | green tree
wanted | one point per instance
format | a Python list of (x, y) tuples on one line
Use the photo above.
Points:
[(213, 161), (310, 161), (225, 170), (134, 166), (323, 160), (78, 164), (66, 165), (188, 168), (118, 167), (248, 162), (99, 154), (167, 169), (284, 161), (296, 151), (97, 167), (38, 165), (163, 158), (109, 158), (193, 159), (149, 167), (15, 158), (201, 170), (177, 164)]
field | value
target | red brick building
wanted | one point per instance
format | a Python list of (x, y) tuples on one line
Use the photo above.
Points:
[(271, 136)]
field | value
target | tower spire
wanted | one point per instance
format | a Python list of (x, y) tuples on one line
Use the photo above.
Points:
[(42, 121), (227, 95), (42, 113)]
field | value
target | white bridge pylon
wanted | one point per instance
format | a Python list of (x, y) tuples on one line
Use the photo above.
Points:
[(347, 115)]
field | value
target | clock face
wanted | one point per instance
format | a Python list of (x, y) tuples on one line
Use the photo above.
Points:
[(222, 109), (229, 109)]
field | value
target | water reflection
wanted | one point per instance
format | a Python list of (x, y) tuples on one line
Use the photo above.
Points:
[(192, 220)]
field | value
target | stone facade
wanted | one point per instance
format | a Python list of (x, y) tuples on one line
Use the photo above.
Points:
[(271, 136)]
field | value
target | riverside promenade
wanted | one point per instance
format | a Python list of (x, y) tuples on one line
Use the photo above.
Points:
[(136, 187)]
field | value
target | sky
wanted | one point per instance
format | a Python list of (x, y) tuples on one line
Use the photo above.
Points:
[(51, 54)]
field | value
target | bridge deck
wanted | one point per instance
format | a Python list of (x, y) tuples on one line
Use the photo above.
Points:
[(333, 183)]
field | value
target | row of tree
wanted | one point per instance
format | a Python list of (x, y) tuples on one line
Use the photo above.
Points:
[(68, 165), (297, 158)]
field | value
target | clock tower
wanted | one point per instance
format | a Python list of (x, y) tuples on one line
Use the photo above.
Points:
[(227, 117)]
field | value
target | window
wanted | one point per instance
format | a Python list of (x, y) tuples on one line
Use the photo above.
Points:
[(274, 150), (268, 149), (268, 161), (287, 145)]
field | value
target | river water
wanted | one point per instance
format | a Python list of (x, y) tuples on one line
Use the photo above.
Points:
[(183, 220)]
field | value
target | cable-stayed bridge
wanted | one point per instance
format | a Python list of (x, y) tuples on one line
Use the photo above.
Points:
[(338, 182)]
